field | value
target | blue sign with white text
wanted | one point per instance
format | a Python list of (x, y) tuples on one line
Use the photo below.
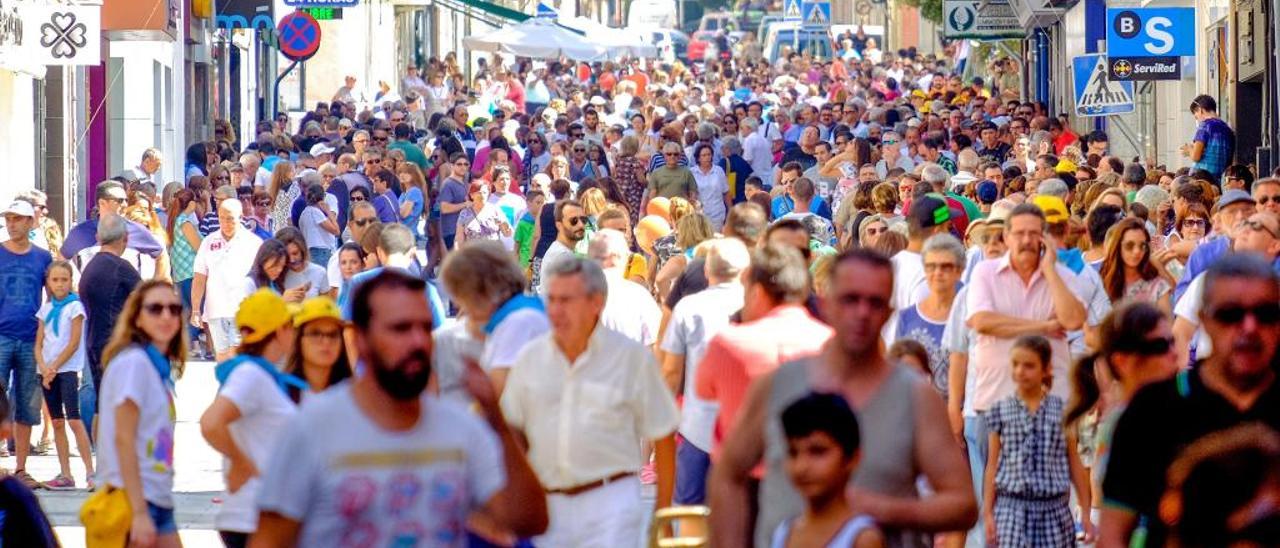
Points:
[(1151, 32)]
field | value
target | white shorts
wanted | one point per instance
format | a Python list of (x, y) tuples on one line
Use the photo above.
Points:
[(610, 515), (223, 333)]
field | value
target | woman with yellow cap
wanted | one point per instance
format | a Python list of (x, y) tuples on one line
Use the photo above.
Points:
[(318, 357), (251, 408)]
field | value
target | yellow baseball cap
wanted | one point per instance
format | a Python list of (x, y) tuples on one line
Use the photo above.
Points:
[(317, 308), (261, 314), (1055, 210)]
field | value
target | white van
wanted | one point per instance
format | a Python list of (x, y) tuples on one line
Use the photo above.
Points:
[(653, 13), (788, 36)]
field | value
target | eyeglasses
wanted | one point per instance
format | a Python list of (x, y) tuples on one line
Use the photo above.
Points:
[(156, 309), (890, 141), (363, 222), (360, 141), (1193, 222), (937, 267), (331, 336), (462, 164), (1266, 314), (1132, 246), (575, 221), (224, 177), (1260, 226)]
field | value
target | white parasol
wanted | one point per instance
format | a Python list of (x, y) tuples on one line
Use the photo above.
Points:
[(538, 38)]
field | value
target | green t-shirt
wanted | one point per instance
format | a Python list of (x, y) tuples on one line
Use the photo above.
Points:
[(524, 239), (670, 183)]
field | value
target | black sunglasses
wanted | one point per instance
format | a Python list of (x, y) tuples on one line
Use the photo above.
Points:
[(357, 198), (575, 221), (1266, 314), (362, 222), (155, 309)]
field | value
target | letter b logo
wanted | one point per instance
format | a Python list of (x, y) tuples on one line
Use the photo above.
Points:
[(1128, 24)]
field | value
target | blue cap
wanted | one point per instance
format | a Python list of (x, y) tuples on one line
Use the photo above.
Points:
[(988, 192)]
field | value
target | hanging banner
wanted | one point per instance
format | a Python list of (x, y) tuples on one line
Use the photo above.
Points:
[(63, 34)]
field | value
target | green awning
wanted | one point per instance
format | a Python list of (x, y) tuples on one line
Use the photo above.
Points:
[(496, 10)]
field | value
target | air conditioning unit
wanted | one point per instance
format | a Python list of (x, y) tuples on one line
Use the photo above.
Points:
[(1034, 14)]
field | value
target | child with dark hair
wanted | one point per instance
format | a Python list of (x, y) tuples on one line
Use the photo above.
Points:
[(24, 523), (823, 449), (911, 353), (1032, 463)]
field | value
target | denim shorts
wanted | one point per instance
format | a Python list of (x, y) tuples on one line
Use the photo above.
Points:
[(223, 334), (17, 358), (163, 518)]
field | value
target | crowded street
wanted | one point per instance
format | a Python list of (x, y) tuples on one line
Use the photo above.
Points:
[(788, 274)]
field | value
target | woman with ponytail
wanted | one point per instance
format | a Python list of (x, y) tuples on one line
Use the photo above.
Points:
[(1135, 348)]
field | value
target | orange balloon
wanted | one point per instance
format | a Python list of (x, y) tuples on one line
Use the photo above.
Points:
[(650, 228), (661, 207)]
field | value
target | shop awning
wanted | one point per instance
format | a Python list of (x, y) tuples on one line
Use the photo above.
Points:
[(489, 12)]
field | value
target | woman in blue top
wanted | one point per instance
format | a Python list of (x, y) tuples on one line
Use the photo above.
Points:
[(924, 322), (413, 200)]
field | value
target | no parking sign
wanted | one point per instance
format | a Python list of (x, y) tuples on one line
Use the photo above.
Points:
[(299, 35)]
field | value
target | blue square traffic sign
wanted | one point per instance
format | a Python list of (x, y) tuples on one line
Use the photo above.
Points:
[(1151, 32)]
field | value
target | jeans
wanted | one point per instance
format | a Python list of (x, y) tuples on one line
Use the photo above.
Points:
[(17, 358), (184, 291), (88, 401), (976, 442), (320, 256), (692, 467)]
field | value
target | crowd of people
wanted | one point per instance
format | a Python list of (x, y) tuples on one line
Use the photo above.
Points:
[(837, 302)]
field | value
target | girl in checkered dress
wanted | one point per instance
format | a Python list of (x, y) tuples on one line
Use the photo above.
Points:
[(1033, 463)]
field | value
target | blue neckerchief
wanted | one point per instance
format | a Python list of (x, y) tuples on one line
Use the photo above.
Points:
[(55, 310), (518, 302), (1072, 258), (283, 380), (161, 363)]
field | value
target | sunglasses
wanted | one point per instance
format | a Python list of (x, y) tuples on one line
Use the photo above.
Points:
[(357, 198), (575, 221), (579, 150), (877, 230), (1264, 200), (156, 309), (890, 141), (1193, 222), (381, 139), (1131, 246), (936, 267), (363, 222), (1266, 314)]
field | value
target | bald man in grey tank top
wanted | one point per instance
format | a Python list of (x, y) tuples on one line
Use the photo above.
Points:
[(902, 418)]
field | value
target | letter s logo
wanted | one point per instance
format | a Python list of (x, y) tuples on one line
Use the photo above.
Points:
[(1161, 40)]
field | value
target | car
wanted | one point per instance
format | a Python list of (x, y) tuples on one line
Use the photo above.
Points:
[(652, 13), (716, 21), (702, 46), (790, 36), (672, 44)]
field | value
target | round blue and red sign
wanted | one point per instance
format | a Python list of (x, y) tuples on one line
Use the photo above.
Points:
[(299, 36)]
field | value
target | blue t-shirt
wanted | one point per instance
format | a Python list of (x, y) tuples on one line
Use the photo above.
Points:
[(21, 285), (438, 312), (453, 192), (783, 205), (414, 195), (1219, 146), (911, 325)]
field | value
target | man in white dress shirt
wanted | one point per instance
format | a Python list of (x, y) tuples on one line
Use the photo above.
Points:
[(585, 397)]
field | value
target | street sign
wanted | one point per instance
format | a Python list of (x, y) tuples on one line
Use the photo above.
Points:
[(322, 3), (1146, 68), (543, 10), (1096, 93), (980, 20), (817, 13), (324, 14), (1151, 32), (245, 14), (791, 10), (299, 36)]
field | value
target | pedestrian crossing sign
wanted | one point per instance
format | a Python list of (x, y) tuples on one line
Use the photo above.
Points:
[(791, 10), (1096, 94), (816, 14)]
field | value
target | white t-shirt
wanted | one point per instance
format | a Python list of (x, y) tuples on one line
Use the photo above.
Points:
[(1188, 308), (313, 273), (55, 343), (130, 376), (264, 412), (512, 207), (711, 188), (695, 320), (225, 263), (556, 251), (510, 336), (309, 223), (908, 279), (381, 488), (630, 310), (758, 152), (333, 272)]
